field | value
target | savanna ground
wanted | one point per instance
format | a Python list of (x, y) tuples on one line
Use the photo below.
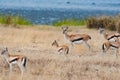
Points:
[(45, 64)]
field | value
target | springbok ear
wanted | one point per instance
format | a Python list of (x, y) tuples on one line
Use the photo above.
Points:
[(106, 32), (99, 28), (54, 40), (65, 27), (6, 49), (61, 27)]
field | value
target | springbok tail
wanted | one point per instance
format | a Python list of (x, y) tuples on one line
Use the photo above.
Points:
[(67, 51), (24, 61), (103, 47), (89, 37)]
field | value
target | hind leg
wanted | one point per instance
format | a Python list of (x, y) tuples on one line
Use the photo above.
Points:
[(88, 46), (103, 53), (59, 53), (22, 69), (116, 52), (66, 54)]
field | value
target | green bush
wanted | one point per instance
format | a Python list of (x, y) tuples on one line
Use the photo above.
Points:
[(70, 22), (14, 20), (2, 19)]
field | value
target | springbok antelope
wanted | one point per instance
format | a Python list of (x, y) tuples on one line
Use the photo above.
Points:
[(76, 38), (109, 37), (20, 60), (111, 45), (61, 49)]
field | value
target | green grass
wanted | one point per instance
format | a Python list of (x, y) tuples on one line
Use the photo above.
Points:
[(70, 22), (2, 19), (21, 20), (15, 20)]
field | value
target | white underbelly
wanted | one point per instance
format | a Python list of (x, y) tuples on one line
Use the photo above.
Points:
[(78, 42), (112, 40), (15, 62), (113, 48)]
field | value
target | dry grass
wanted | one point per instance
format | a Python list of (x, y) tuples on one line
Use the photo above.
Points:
[(45, 64)]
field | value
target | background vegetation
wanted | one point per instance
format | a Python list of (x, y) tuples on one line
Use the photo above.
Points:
[(14, 20), (70, 22), (108, 22)]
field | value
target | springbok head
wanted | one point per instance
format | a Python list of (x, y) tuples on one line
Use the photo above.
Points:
[(101, 30), (4, 51), (65, 28), (54, 43)]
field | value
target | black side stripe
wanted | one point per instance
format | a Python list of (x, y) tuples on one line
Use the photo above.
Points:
[(14, 60), (77, 39), (117, 35), (113, 46), (111, 37), (60, 49)]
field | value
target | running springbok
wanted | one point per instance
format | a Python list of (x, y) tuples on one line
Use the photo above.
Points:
[(111, 45), (20, 60), (109, 37), (61, 49), (76, 38)]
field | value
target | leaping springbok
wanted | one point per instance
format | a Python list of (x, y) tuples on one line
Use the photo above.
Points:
[(20, 60), (76, 38), (109, 37), (111, 45), (61, 49)]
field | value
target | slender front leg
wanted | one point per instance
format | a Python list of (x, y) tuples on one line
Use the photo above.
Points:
[(21, 69), (71, 50), (59, 53), (11, 67), (22, 72)]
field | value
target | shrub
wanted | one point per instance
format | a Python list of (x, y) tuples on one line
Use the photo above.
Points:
[(108, 22), (14, 20), (2, 19), (118, 26)]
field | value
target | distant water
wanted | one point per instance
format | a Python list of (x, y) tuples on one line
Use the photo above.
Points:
[(50, 11)]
